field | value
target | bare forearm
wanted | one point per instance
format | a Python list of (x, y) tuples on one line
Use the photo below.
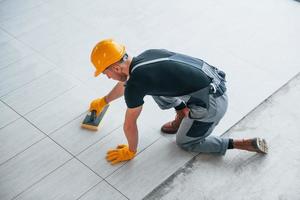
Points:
[(132, 136), (116, 92)]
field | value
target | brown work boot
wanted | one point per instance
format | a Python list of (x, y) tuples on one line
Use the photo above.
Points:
[(172, 126), (258, 145)]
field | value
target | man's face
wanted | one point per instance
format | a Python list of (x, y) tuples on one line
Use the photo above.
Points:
[(115, 72)]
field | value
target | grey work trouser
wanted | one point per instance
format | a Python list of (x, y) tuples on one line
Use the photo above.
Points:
[(194, 131)]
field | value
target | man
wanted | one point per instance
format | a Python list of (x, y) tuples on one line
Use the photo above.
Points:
[(194, 88)]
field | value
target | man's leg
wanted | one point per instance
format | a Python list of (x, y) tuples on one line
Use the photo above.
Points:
[(195, 136), (181, 111)]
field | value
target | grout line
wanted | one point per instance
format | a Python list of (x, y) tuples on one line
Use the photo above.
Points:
[(12, 157), (42, 56), (47, 136), (116, 189), (42, 178), (47, 59), (11, 122), (96, 186), (89, 190), (95, 142), (72, 156), (51, 99), (27, 83)]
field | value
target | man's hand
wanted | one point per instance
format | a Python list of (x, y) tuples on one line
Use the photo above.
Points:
[(98, 105), (121, 153)]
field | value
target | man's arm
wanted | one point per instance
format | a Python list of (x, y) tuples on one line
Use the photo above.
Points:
[(116, 92), (127, 152), (130, 127)]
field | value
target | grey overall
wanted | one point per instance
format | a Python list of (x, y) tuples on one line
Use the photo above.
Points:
[(207, 107)]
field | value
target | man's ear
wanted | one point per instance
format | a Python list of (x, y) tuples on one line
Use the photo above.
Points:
[(117, 68)]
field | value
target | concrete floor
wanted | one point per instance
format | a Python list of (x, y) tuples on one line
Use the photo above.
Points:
[(46, 84)]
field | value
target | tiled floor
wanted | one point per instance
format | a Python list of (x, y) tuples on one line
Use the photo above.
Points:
[(46, 84)]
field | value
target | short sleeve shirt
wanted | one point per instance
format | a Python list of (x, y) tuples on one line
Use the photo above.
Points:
[(161, 78)]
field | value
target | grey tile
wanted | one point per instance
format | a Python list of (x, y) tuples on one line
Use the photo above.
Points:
[(268, 48), (95, 155), (105, 191), (62, 109), (53, 32), (7, 115), (149, 169), (22, 72), (30, 166), (75, 57), (4, 37), (69, 5), (9, 9), (12, 51), (68, 182), (76, 139), (29, 19), (39, 91), (253, 90), (16, 137)]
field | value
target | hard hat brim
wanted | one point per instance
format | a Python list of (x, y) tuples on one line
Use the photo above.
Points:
[(97, 73)]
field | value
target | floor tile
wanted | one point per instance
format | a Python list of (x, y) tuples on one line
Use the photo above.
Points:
[(69, 5), (7, 115), (267, 48), (62, 109), (40, 91), (74, 57), (22, 72), (16, 137), (29, 19), (12, 51), (68, 182), (94, 156), (107, 192), (27, 168), (9, 9), (4, 37), (76, 139), (149, 169), (53, 32)]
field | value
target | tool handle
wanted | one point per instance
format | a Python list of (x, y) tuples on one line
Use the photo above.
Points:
[(93, 115)]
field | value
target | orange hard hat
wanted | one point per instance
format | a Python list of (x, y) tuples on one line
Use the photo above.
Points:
[(106, 53)]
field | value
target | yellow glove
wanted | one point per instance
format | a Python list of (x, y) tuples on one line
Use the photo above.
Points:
[(121, 153), (98, 105)]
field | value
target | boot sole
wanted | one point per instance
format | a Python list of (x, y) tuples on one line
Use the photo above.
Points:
[(261, 146), (168, 132)]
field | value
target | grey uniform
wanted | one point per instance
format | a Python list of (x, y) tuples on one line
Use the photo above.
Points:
[(172, 78)]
